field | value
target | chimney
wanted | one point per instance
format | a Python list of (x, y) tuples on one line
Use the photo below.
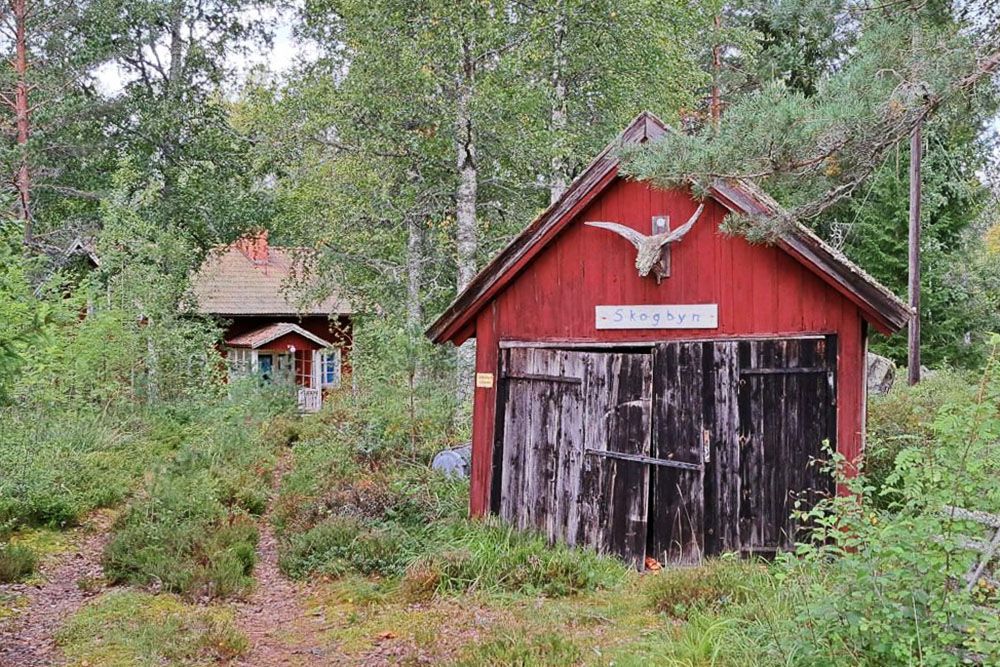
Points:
[(254, 246)]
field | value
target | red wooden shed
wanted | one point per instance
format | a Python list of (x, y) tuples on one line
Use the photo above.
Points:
[(672, 414)]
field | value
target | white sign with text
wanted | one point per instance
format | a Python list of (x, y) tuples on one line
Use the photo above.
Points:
[(682, 316)]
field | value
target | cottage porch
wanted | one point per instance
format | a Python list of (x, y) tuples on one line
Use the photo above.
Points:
[(285, 353)]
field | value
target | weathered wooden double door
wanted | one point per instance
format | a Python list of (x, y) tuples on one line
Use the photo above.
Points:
[(675, 452)]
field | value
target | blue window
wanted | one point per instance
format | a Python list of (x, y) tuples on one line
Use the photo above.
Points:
[(331, 368), (265, 365)]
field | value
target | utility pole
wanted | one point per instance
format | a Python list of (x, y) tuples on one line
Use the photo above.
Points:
[(913, 332)]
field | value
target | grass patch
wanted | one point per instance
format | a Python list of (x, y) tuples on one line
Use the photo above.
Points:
[(192, 531), (125, 628), (17, 563), (712, 586), (58, 464), (514, 649), (11, 604), (493, 557)]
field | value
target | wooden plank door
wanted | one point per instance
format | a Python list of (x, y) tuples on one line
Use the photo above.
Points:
[(568, 423), (787, 409), (680, 446)]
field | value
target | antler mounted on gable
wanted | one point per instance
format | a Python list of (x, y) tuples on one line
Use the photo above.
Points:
[(650, 248)]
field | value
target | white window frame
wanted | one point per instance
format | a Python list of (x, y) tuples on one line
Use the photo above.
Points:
[(330, 355), (241, 362)]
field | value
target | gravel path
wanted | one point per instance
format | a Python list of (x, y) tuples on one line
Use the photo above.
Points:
[(280, 631), (27, 639)]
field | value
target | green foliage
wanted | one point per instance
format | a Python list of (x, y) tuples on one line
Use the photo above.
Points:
[(904, 419), (57, 464), (818, 114), (191, 530), (496, 558), (344, 510), (959, 286), (349, 508), (126, 629), (340, 545), (22, 318), (16, 562), (884, 588)]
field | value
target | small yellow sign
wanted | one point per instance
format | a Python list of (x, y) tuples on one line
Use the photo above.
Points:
[(484, 380)]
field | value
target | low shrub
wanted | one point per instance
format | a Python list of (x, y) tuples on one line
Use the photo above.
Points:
[(711, 586), (17, 562), (59, 463), (340, 545), (904, 418), (192, 532), (181, 538), (338, 513)]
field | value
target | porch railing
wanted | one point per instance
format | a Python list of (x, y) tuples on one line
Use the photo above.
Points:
[(310, 400)]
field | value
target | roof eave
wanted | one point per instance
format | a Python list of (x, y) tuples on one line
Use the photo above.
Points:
[(286, 329), (878, 304)]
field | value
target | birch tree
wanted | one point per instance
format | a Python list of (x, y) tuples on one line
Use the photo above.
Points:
[(589, 67)]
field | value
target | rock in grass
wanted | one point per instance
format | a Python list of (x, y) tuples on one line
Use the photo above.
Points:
[(454, 462), (881, 374)]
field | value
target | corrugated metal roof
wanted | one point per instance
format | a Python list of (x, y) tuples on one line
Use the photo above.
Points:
[(264, 335), (230, 283)]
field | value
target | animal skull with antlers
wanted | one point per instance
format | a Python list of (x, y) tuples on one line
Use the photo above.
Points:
[(650, 248)]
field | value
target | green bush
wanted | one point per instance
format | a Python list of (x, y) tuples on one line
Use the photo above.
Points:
[(904, 418), (339, 512), (16, 563), (341, 545), (57, 464), (182, 538)]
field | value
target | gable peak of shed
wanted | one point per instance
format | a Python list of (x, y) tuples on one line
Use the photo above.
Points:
[(879, 305)]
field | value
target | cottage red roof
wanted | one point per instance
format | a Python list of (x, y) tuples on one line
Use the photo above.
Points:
[(252, 278), (254, 339)]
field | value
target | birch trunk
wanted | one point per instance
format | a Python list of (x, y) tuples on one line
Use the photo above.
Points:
[(465, 213), (558, 118), (414, 273), (176, 48)]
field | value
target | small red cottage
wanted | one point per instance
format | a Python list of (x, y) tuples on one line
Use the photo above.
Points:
[(271, 328), (651, 387)]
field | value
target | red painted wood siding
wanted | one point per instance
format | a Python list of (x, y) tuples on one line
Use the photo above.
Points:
[(760, 291), (337, 331)]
